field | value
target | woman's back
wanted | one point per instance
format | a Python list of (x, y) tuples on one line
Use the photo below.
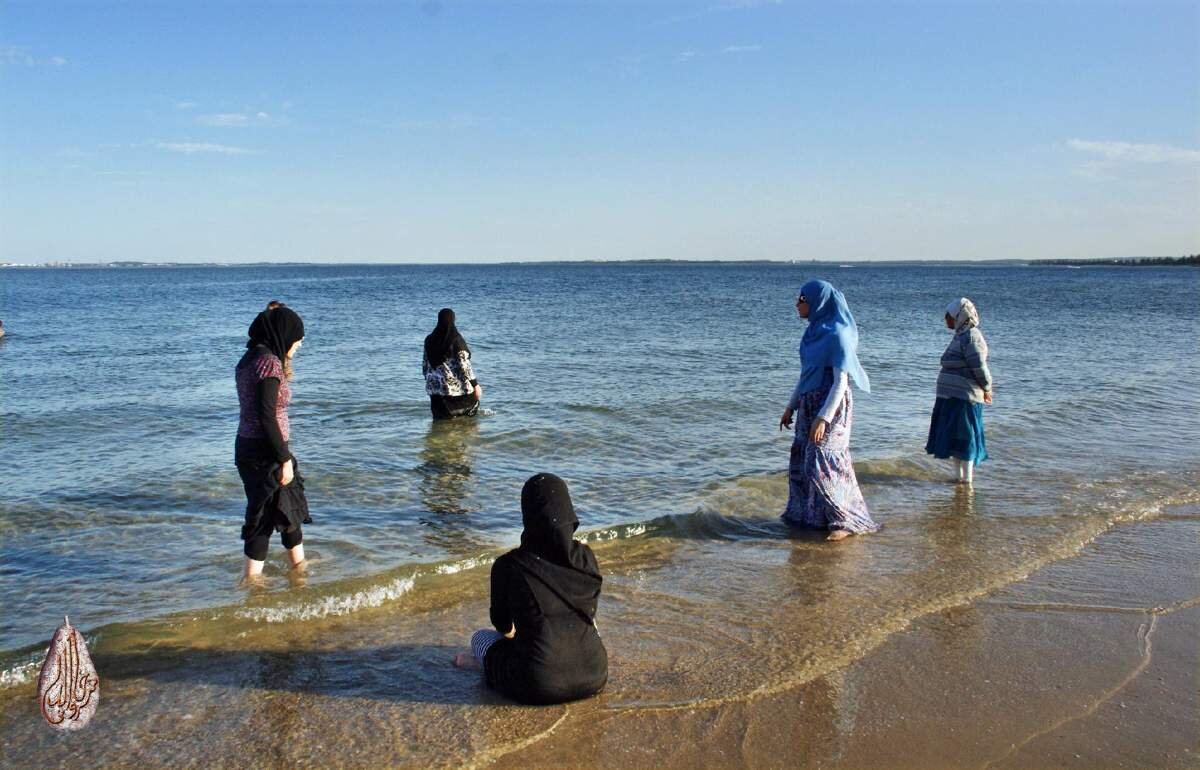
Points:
[(557, 654)]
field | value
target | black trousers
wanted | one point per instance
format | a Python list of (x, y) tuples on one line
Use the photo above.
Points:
[(260, 479), (445, 407)]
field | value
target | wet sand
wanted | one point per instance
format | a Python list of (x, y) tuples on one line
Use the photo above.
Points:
[(1091, 661), (1023, 678)]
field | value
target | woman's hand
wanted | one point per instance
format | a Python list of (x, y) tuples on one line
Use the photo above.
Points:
[(987, 396), (286, 473), (478, 392), (786, 420), (816, 433)]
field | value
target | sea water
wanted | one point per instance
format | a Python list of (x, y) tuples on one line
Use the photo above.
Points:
[(655, 390)]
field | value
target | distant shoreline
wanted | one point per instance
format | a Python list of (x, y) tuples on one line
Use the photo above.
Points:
[(1185, 261)]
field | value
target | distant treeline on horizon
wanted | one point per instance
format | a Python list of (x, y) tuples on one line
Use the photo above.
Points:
[(1192, 259)]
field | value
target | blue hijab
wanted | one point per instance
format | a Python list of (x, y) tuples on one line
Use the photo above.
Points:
[(831, 338)]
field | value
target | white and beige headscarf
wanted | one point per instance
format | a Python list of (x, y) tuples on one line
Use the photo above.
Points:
[(964, 314)]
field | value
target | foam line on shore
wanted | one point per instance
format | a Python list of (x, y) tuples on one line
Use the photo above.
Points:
[(1145, 644)]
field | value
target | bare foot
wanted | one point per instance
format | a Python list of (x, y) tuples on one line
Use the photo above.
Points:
[(255, 582), (466, 660), (839, 534)]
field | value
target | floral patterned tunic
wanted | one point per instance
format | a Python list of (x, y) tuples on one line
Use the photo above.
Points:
[(823, 491), (452, 378)]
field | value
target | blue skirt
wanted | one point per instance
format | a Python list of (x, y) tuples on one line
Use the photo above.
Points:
[(956, 430)]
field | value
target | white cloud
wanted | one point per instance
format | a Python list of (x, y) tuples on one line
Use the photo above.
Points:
[(685, 56), (185, 105), (1130, 152), (11, 54), (227, 119), (241, 119), (191, 148), (740, 49)]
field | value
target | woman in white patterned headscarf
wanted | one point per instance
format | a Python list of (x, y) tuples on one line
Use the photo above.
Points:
[(964, 385)]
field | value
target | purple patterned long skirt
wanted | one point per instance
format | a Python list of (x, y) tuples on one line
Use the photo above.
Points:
[(823, 491)]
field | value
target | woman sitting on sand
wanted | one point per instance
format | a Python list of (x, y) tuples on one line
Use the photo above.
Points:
[(449, 378), (545, 648), (823, 491), (964, 385), (274, 490)]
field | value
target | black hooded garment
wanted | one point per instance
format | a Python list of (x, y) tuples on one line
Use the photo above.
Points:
[(444, 341), (547, 589)]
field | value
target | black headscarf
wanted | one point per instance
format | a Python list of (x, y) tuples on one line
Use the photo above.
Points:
[(549, 551), (276, 329), (444, 340)]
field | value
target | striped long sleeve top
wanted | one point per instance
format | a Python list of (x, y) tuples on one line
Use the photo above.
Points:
[(965, 372)]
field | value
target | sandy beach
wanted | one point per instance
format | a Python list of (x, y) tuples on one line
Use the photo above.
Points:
[(1089, 662)]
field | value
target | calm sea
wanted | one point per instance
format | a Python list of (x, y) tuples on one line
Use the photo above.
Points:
[(654, 390)]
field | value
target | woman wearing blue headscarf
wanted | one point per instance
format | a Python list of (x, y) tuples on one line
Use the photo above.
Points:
[(823, 491)]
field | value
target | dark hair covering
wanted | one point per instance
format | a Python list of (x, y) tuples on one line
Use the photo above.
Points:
[(276, 329), (549, 551), (444, 340)]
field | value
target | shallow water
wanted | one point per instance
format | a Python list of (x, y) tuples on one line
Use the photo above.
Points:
[(653, 389)]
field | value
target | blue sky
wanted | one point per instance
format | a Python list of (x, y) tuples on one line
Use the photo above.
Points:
[(461, 132)]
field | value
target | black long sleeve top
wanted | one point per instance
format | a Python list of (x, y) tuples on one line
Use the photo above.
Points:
[(555, 656)]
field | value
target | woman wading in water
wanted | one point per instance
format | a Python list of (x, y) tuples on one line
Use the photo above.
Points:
[(545, 648), (274, 490), (964, 385), (823, 491), (449, 378)]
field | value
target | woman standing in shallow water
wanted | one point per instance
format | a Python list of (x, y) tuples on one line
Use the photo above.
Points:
[(964, 385), (449, 377), (274, 491), (823, 491)]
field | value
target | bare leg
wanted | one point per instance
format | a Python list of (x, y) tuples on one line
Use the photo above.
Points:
[(297, 556), (968, 472), (254, 568), (466, 660), (839, 534)]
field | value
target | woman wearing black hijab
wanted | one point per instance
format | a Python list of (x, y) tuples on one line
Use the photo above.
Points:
[(449, 378), (545, 648), (274, 490)]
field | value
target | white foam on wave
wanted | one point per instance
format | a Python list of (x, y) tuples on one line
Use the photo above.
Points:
[(22, 673), (465, 564), (333, 605), (614, 533), (368, 598)]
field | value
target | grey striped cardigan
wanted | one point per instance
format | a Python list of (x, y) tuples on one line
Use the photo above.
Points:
[(965, 371)]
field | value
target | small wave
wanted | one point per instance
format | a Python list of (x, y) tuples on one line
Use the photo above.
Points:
[(891, 469), (615, 533), (461, 566), (21, 673), (331, 606), (23, 666)]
